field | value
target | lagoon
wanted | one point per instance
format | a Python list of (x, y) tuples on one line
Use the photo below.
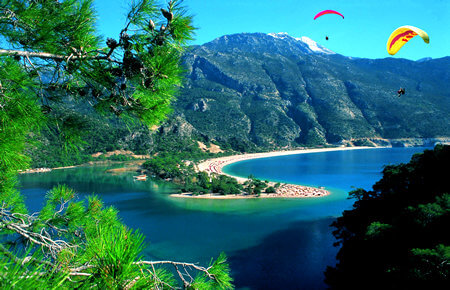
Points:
[(270, 243)]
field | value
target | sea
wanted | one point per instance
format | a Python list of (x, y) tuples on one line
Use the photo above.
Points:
[(270, 243)]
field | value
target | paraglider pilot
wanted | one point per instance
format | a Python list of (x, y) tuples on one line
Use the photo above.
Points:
[(401, 92)]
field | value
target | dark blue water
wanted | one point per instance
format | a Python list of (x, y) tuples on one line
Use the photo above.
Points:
[(270, 243)]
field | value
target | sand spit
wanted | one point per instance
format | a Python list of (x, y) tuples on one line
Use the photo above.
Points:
[(215, 165)]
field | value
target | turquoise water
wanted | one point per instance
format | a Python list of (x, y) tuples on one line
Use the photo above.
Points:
[(271, 243), (337, 169)]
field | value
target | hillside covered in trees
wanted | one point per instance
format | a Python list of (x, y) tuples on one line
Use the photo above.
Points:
[(254, 92), (268, 90), (396, 235)]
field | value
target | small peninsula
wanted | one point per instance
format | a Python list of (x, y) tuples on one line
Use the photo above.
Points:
[(213, 167)]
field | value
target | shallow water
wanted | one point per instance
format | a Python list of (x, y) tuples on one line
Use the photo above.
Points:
[(271, 243)]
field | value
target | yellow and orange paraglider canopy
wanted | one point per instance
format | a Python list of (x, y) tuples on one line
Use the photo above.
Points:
[(402, 35)]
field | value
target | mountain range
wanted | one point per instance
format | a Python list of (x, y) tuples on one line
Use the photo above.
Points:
[(256, 91), (274, 90)]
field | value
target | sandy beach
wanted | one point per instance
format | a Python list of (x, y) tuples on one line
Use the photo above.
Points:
[(134, 166), (215, 165)]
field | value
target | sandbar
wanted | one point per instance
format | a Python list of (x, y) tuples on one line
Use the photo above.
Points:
[(215, 165)]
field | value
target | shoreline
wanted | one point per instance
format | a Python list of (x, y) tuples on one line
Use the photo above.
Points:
[(90, 163), (215, 165)]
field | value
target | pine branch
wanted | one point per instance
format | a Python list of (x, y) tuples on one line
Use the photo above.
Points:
[(25, 260), (182, 264), (44, 55), (43, 239)]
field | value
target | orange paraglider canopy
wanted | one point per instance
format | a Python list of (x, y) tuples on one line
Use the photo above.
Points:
[(327, 12)]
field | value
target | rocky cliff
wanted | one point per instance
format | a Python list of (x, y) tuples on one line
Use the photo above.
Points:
[(273, 90)]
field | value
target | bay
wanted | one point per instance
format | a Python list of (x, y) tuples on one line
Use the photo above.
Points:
[(270, 243)]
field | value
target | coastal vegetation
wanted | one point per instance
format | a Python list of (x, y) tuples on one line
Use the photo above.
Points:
[(202, 183), (396, 235), (206, 178), (50, 55), (256, 186), (98, 134), (183, 173)]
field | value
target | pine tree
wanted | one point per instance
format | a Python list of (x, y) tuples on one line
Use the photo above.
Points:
[(396, 235), (50, 52)]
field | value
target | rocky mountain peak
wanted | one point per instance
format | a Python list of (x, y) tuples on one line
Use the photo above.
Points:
[(311, 44), (273, 43), (278, 90)]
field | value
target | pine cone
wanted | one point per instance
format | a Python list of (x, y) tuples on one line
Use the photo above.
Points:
[(148, 82), (168, 15), (151, 25), (125, 40), (159, 40), (117, 72), (111, 43)]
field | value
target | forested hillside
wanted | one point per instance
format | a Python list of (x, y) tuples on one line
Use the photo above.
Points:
[(255, 91), (396, 235), (276, 90)]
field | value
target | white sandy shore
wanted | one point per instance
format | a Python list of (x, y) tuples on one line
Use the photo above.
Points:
[(215, 165)]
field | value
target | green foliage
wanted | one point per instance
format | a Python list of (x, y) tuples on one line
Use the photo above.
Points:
[(86, 243), (54, 69), (19, 113), (112, 252), (120, 157), (396, 234), (217, 269), (100, 134), (225, 185), (171, 166), (270, 189), (376, 229), (426, 214), (15, 272), (254, 185), (164, 165), (431, 264), (135, 76), (363, 142)]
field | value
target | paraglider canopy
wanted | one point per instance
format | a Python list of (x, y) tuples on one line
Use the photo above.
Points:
[(402, 35), (327, 12)]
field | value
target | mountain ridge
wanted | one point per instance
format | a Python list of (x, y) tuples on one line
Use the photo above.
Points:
[(276, 91), (255, 92)]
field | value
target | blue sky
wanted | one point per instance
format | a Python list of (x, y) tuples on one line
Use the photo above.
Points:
[(363, 32)]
